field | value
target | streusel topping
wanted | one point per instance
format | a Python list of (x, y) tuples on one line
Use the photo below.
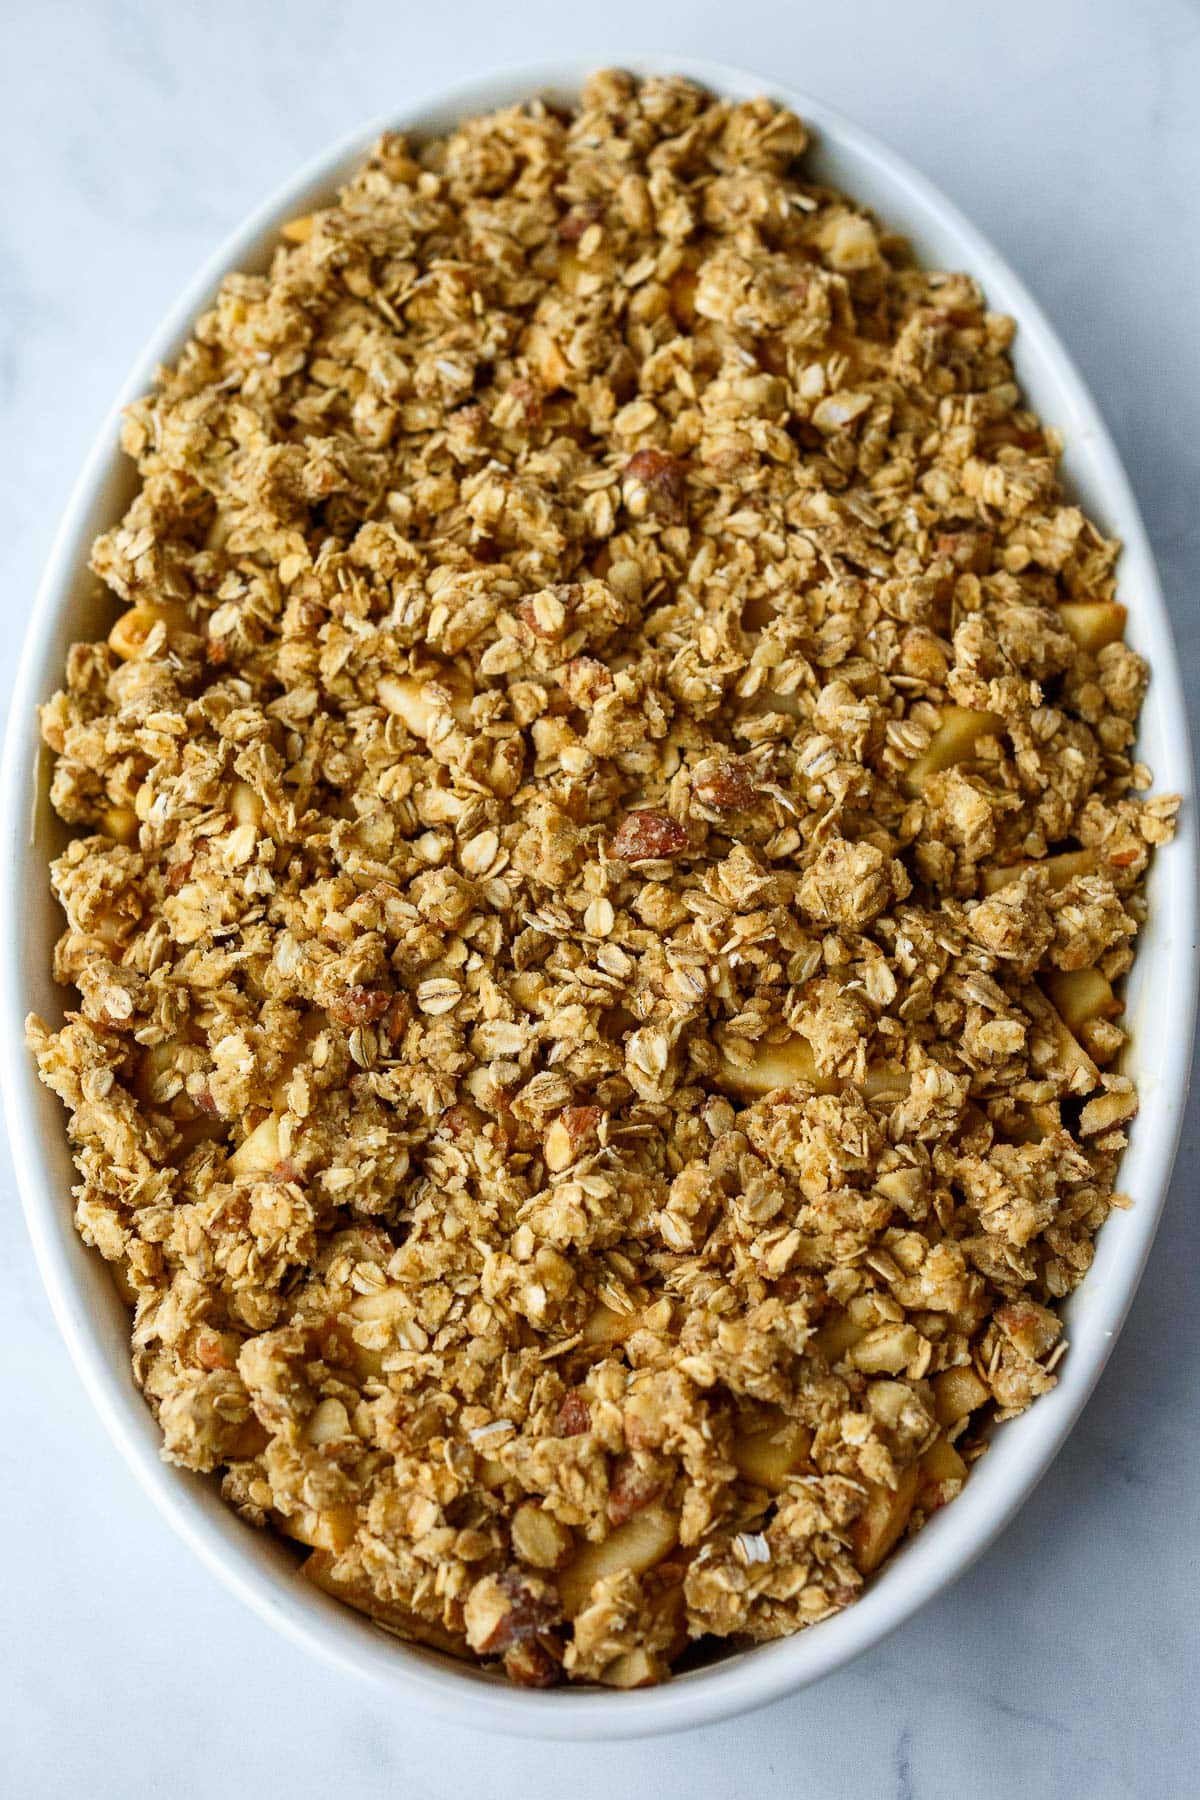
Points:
[(609, 829)]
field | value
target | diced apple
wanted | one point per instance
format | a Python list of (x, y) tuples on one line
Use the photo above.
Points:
[(330, 1529), (131, 633), (833, 1339), (120, 823), (775, 1065), (881, 1523), (957, 1392), (1093, 623), (637, 1545), (954, 741), (1081, 995), (635, 1669), (769, 1455), (942, 1471), (1059, 869), (942, 1462), (320, 1568)]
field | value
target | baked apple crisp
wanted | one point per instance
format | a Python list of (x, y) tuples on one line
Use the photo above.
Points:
[(609, 840)]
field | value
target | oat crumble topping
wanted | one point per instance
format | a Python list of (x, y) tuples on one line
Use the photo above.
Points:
[(609, 832)]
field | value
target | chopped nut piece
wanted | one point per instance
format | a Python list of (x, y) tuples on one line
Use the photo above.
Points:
[(504, 1610), (539, 1538), (257, 1154), (571, 1135), (635, 1481), (648, 836), (1107, 1111), (654, 482), (574, 1415), (417, 701)]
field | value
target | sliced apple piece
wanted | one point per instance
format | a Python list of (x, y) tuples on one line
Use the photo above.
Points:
[(1093, 623), (954, 741), (330, 1529), (768, 1455), (637, 1545), (1060, 869), (881, 1523), (320, 1568), (1081, 995), (957, 1392), (885, 1084), (1083, 1076), (132, 632), (775, 1065), (833, 1339)]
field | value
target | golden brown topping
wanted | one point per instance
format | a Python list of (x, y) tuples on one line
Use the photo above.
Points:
[(608, 846)]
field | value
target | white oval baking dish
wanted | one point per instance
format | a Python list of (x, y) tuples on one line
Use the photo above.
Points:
[(259, 1568)]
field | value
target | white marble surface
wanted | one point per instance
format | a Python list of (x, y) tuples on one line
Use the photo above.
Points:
[(132, 136)]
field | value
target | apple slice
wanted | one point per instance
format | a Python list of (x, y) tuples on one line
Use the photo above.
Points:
[(881, 1523), (1081, 995), (954, 741), (637, 1545), (1061, 868), (776, 1450), (320, 1568), (1093, 623), (957, 1392)]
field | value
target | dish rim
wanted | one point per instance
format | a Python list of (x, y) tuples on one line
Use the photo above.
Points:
[(246, 1562)]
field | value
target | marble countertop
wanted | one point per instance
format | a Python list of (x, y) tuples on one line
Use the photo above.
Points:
[(133, 136)]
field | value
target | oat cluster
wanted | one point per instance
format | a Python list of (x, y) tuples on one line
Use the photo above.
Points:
[(608, 831)]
